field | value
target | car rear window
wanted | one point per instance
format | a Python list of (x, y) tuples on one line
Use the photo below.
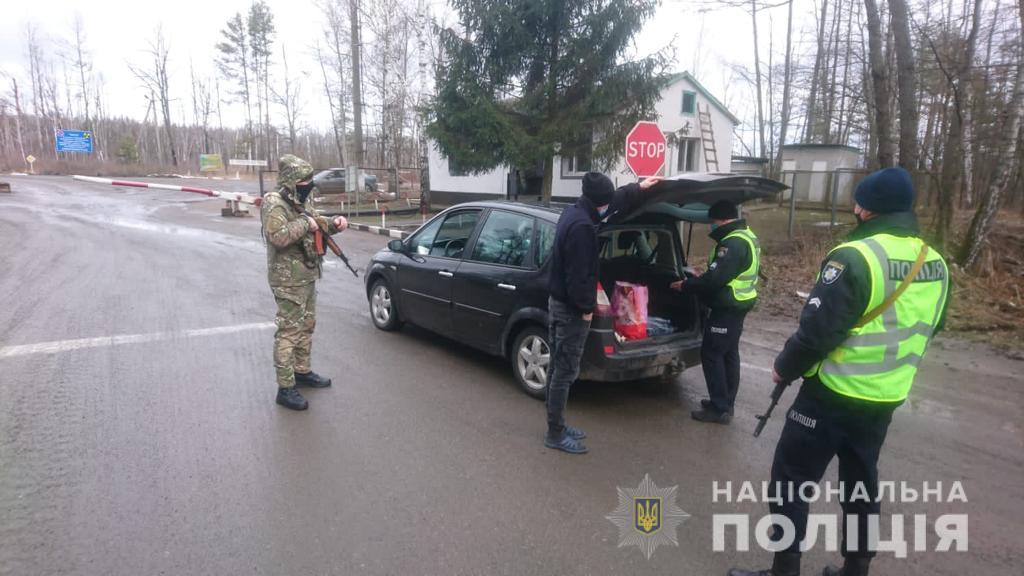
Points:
[(647, 245), (504, 239)]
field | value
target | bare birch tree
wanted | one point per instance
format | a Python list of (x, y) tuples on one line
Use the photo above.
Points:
[(155, 78), (289, 99), (984, 217), (879, 88)]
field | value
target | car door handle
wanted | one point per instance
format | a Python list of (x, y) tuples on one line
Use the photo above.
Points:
[(445, 273), (509, 287)]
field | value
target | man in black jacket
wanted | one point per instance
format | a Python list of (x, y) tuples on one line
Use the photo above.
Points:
[(573, 288), (729, 290)]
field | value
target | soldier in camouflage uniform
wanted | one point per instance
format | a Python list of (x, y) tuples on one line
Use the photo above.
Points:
[(293, 267)]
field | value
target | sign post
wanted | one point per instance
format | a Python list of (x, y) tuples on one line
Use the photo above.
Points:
[(210, 163), (31, 160), (245, 162), (73, 140), (646, 149)]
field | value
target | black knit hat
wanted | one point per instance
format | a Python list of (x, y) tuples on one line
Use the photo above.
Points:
[(598, 188), (887, 190), (723, 210)]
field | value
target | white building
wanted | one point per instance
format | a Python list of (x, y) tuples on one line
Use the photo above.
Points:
[(678, 117)]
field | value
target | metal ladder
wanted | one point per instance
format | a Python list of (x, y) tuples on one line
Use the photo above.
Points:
[(707, 138)]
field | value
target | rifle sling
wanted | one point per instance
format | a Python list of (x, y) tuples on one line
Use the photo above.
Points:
[(896, 293)]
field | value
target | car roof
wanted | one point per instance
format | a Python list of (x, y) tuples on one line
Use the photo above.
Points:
[(539, 210)]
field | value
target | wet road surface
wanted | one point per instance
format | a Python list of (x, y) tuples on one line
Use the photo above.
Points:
[(138, 433)]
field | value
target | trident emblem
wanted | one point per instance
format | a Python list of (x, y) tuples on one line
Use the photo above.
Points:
[(648, 514)]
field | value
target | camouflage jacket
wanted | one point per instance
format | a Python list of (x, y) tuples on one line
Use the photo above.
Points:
[(292, 259)]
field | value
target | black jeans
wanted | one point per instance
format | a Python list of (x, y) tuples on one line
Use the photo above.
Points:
[(567, 332), (819, 425), (720, 356)]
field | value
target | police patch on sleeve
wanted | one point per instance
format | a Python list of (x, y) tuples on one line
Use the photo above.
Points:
[(832, 271), (722, 252)]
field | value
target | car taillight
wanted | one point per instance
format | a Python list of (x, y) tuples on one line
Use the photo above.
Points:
[(604, 307), (609, 350)]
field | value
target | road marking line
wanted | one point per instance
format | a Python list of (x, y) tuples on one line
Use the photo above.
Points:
[(752, 367), (58, 346)]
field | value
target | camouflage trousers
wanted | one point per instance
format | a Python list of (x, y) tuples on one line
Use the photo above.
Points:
[(293, 341)]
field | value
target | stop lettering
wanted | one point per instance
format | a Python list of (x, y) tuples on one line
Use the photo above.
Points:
[(645, 149)]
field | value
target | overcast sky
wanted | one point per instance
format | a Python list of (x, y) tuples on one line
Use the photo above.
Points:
[(117, 32)]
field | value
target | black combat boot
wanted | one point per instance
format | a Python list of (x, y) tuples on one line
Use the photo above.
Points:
[(852, 566), (707, 405), (784, 564), (711, 415), (311, 379), (291, 399)]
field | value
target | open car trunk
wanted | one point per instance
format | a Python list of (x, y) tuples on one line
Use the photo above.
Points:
[(642, 245), (649, 256)]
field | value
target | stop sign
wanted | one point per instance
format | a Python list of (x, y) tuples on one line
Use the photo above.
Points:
[(645, 149)]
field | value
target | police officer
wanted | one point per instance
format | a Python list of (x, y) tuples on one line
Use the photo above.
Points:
[(293, 267), (878, 301), (729, 287)]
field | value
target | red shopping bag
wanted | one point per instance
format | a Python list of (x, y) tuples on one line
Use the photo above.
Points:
[(629, 301)]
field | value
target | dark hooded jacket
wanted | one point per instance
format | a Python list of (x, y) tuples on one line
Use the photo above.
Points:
[(574, 258)]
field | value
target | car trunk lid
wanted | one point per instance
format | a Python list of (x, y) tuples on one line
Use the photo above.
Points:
[(686, 196)]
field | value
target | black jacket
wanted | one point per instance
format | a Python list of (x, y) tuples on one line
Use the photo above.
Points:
[(732, 257), (835, 306), (574, 259)]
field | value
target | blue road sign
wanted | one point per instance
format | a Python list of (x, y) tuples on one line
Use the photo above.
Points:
[(74, 141)]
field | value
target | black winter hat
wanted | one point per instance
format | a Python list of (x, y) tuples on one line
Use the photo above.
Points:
[(723, 210), (887, 190), (598, 188)]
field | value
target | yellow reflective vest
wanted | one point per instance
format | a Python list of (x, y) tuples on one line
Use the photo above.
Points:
[(744, 286), (878, 361)]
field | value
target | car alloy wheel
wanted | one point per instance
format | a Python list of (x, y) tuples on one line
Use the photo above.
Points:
[(383, 308), (533, 357)]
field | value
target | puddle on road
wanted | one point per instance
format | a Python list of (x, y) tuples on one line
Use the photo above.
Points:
[(180, 231)]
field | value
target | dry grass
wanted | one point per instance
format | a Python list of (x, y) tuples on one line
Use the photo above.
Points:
[(986, 304)]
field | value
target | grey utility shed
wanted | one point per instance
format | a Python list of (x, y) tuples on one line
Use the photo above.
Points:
[(815, 168)]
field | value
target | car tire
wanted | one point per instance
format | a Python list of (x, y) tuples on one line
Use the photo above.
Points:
[(383, 307), (531, 358)]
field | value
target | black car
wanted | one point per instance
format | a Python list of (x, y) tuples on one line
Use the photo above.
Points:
[(478, 274)]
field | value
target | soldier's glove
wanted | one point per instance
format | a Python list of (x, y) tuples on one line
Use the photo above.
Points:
[(323, 223)]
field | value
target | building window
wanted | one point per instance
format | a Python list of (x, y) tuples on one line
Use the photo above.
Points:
[(687, 159), (577, 165), (689, 102)]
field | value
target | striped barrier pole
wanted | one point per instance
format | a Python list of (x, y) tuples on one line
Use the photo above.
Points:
[(228, 196)]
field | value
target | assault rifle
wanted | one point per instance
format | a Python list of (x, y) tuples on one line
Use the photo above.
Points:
[(776, 395), (321, 233)]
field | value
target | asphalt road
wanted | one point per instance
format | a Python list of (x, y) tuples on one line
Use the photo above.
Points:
[(138, 432)]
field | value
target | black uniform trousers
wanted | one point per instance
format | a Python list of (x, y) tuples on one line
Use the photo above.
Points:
[(820, 425), (720, 356)]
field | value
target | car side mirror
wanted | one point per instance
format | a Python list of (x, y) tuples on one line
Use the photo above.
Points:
[(396, 245)]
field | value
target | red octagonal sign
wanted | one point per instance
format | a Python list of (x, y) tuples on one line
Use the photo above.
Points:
[(645, 149)]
